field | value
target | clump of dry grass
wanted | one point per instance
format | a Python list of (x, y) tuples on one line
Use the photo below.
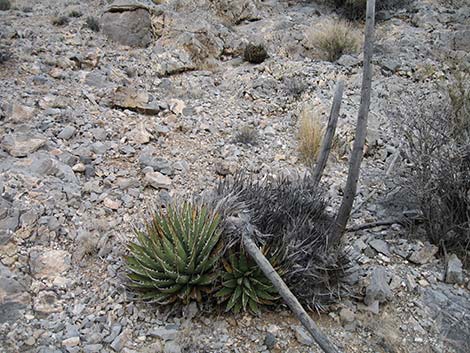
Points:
[(333, 38), (311, 131)]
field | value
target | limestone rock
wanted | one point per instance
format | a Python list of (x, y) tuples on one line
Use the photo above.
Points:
[(158, 180), (423, 255), (378, 288), (454, 272), (21, 144), (48, 264), (131, 28)]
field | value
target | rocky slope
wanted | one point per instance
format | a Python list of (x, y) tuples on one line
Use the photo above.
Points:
[(94, 133)]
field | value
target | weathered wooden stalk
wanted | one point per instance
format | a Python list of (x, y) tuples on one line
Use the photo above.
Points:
[(287, 295), (329, 134), (361, 127)]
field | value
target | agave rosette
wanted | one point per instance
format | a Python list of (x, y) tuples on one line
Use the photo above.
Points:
[(176, 258)]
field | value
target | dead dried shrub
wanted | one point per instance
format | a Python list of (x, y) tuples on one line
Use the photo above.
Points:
[(289, 217), (333, 38), (436, 135)]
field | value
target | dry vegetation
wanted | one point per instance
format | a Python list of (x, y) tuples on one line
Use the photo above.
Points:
[(311, 131), (332, 39)]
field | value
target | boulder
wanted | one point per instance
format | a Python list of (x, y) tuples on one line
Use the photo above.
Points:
[(129, 25)]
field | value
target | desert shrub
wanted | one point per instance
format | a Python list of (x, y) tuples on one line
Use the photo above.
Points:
[(92, 23), (176, 257), (289, 217), (310, 135), (255, 54), (246, 135), (60, 21), (437, 147), (4, 56), (5, 5), (295, 86), (75, 14), (333, 38)]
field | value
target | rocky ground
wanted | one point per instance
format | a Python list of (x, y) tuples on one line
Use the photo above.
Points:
[(96, 131)]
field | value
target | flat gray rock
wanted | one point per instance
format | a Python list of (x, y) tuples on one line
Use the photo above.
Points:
[(21, 144)]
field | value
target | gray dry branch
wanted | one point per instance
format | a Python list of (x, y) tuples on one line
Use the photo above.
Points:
[(361, 128)]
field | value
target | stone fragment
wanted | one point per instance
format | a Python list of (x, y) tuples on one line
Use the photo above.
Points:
[(172, 347), (47, 302), (269, 340), (166, 334), (347, 318), (378, 288), (14, 296), (454, 273), (67, 132), (71, 342), (423, 255), (120, 341), (157, 180), (112, 204), (21, 144), (139, 135), (19, 113), (380, 246), (48, 264)]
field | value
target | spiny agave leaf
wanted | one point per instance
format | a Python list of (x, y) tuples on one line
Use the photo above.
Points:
[(224, 292), (158, 297), (243, 262), (204, 280), (266, 296), (234, 298), (231, 283), (245, 298), (234, 262), (212, 256), (237, 307), (148, 283), (253, 306), (144, 259)]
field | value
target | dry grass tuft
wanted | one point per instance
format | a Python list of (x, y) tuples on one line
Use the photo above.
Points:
[(311, 131), (333, 38)]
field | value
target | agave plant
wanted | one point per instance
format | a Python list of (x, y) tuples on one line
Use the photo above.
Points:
[(175, 258), (244, 285)]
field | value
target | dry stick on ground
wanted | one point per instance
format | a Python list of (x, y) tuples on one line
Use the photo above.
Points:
[(361, 128), (329, 134), (287, 295)]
